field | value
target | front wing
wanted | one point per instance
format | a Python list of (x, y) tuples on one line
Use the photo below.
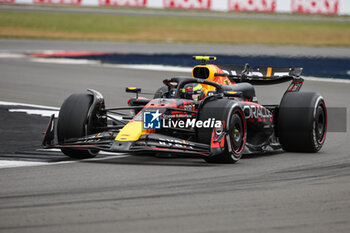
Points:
[(105, 141)]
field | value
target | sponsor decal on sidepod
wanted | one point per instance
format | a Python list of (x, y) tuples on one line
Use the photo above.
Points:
[(152, 120)]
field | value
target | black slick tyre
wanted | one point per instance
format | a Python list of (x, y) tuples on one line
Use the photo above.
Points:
[(302, 122), (72, 123), (234, 129)]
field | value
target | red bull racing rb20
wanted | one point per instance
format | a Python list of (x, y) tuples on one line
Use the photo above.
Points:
[(214, 114)]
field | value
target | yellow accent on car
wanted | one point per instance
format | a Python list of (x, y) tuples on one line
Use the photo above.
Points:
[(269, 71), (97, 136), (210, 70), (231, 92), (131, 88), (131, 132), (206, 58)]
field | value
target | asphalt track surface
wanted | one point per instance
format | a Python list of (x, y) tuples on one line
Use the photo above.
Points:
[(278, 192), (32, 46)]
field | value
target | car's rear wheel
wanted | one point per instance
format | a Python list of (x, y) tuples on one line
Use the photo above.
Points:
[(74, 122), (233, 127), (302, 122)]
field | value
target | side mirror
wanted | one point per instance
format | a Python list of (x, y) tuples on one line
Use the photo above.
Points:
[(136, 90)]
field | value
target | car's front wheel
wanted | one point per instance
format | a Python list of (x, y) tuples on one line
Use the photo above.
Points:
[(73, 122), (233, 127)]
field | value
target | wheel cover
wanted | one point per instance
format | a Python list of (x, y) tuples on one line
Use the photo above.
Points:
[(320, 123), (237, 132)]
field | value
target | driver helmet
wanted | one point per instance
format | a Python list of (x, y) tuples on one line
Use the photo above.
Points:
[(193, 91)]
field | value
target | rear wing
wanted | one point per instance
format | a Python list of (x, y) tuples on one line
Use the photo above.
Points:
[(263, 75)]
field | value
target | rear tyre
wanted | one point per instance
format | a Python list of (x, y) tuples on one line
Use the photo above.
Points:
[(73, 122), (234, 126), (302, 122)]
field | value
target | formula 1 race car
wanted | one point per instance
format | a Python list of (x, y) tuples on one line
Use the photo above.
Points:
[(213, 114)]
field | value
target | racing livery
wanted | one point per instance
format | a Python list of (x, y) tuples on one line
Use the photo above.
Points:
[(213, 114)]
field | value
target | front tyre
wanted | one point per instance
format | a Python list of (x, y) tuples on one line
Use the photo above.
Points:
[(73, 123), (234, 129), (302, 122)]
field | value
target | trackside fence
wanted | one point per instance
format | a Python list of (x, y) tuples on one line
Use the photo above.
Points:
[(328, 7)]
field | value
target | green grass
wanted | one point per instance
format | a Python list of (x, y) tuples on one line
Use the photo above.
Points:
[(165, 29)]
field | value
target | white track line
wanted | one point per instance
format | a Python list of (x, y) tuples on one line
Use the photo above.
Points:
[(46, 111), (12, 55), (150, 67), (121, 66), (66, 61), (6, 103), (13, 164)]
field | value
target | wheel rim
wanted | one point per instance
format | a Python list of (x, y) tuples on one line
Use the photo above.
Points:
[(237, 139), (320, 124), (237, 133)]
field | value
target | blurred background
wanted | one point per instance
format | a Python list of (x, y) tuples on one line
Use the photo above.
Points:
[(314, 34)]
